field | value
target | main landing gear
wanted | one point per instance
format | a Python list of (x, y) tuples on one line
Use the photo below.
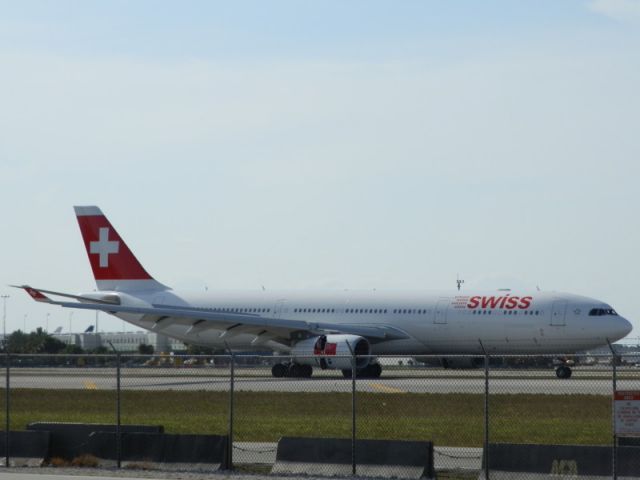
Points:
[(373, 370), (563, 371), (293, 370)]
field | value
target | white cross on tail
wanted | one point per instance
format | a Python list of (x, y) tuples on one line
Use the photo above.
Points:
[(104, 247)]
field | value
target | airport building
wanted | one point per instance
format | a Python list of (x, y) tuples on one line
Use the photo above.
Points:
[(122, 341)]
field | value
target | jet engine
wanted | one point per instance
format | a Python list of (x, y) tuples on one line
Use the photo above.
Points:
[(332, 351)]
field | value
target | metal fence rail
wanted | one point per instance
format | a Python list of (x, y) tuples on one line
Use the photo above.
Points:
[(471, 411)]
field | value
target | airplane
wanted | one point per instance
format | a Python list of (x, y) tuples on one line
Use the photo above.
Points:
[(323, 329)]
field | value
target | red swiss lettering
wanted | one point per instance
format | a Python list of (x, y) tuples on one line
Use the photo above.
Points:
[(525, 302), (490, 302), (473, 302), (504, 299)]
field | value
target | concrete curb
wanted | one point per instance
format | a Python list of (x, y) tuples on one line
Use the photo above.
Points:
[(333, 456), (531, 461)]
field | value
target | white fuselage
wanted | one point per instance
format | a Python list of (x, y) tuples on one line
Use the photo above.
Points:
[(503, 321)]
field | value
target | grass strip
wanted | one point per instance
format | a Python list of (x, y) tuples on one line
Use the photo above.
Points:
[(446, 419)]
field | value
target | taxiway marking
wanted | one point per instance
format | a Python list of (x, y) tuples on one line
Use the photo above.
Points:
[(386, 388)]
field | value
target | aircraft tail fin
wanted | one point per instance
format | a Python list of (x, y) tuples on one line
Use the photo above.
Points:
[(113, 264)]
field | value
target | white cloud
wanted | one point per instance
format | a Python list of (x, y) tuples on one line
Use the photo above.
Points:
[(620, 10)]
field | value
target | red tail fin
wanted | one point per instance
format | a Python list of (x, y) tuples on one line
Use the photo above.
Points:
[(114, 265)]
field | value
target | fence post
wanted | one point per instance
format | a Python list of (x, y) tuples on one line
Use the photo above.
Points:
[(231, 402), (7, 407), (614, 385), (485, 449), (118, 404), (353, 409), (353, 412)]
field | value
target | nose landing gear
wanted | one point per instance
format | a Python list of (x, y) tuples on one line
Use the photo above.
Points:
[(563, 371)]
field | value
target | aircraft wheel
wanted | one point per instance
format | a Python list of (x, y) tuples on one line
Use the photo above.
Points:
[(563, 372), (370, 371), (279, 370), (346, 373), (306, 371), (295, 370), (375, 370)]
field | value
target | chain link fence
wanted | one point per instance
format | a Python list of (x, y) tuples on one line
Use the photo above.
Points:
[(482, 414)]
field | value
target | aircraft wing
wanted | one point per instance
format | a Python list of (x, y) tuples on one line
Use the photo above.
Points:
[(231, 323)]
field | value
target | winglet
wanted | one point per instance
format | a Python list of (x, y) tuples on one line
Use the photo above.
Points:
[(37, 295)]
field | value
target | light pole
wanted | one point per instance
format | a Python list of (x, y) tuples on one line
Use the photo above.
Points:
[(4, 317)]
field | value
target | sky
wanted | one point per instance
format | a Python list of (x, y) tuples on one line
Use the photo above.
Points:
[(322, 144)]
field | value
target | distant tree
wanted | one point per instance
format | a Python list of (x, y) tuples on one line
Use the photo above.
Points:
[(34, 342), (144, 349), (51, 345), (101, 350), (18, 342)]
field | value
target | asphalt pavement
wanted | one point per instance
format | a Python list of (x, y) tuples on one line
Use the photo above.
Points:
[(583, 381)]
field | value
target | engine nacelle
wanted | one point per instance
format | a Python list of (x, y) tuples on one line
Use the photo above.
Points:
[(322, 351)]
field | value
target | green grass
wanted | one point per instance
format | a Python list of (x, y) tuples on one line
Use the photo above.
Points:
[(447, 419)]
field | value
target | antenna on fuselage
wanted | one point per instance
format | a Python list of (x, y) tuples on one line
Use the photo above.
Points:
[(459, 281)]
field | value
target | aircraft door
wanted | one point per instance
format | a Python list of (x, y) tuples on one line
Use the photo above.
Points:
[(558, 313), (280, 308), (440, 314)]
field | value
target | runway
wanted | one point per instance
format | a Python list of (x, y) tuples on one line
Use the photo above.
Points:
[(593, 382)]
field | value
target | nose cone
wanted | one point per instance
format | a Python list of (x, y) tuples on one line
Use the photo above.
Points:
[(620, 328)]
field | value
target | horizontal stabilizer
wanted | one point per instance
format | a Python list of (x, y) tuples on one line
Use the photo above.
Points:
[(38, 294)]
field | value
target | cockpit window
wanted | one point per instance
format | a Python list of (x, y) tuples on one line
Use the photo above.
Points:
[(598, 312)]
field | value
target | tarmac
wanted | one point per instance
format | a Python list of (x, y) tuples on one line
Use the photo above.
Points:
[(583, 381)]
